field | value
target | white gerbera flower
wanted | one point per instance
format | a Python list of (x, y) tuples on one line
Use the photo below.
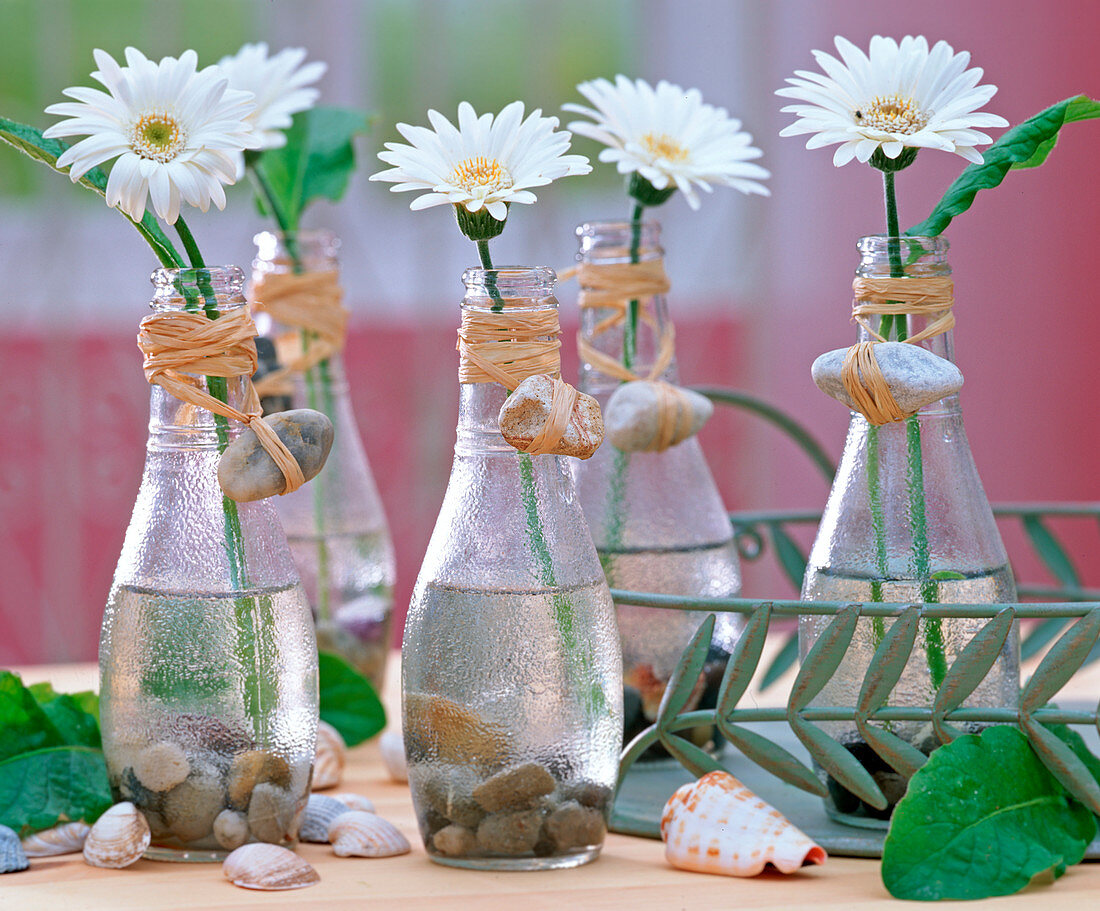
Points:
[(485, 163), (173, 129), (669, 136), (901, 96), (279, 83)]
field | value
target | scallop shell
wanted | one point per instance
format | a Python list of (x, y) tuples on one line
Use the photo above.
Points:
[(67, 838), (268, 868), (118, 838), (633, 415), (355, 801), (320, 812), (12, 857), (328, 759), (392, 747), (717, 825), (359, 834)]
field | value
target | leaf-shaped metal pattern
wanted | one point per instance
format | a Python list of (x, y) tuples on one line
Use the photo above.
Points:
[(838, 762), (1051, 552), (901, 755), (697, 761), (969, 669), (790, 557), (887, 664), (686, 675), (783, 660), (1060, 663), (770, 756), (744, 660), (823, 658), (1063, 763)]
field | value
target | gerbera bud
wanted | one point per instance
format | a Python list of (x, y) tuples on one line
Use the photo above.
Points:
[(880, 160), (637, 187), (479, 225)]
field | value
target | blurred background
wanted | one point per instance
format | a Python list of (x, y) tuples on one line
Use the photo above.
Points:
[(760, 286)]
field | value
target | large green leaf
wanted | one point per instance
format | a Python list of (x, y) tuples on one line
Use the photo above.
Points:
[(24, 726), (42, 788), (1026, 145), (790, 557), (77, 726), (348, 701), (30, 141), (315, 163), (982, 817)]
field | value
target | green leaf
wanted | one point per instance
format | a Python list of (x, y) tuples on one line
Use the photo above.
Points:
[(30, 141), (42, 788), (1026, 145), (1051, 552), (982, 817), (790, 557), (24, 726), (783, 660), (77, 726), (348, 701), (315, 163)]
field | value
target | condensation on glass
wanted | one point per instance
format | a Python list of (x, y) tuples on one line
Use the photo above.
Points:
[(208, 666)]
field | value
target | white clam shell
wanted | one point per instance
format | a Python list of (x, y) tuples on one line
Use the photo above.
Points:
[(632, 415), (12, 857), (118, 838), (359, 834), (392, 747), (355, 801), (67, 838), (268, 868), (329, 757), (319, 814), (717, 825)]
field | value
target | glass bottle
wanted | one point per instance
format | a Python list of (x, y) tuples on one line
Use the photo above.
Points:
[(872, 545), (656, 517), (511, 675), (336, 525), (208, 667)]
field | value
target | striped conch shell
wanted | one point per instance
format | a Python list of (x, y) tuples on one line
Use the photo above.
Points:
[(646, 416), (12, 856), (118, 838), (268, 868), (67, 838), (328, 760), (359, 834), (319, 814), (355, 801), (717, 825)]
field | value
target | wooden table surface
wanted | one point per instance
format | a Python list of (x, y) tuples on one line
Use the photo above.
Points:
[(630, 874)]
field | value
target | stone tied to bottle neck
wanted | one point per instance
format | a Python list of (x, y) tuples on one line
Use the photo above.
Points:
[(181, 344), (929, 297), (309, 301)]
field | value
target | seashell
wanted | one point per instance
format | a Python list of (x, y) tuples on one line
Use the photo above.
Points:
[(161, 766), (67, 838), (118, 838), (268, 868), (355, 801), (392, 747), (525, 413), (12, 856), (717, 825), (251, 768), (915, 375), (272, 813), (231, 829), (246, 472), (329, 757), (646, 416), (359, 834), (320, 812)]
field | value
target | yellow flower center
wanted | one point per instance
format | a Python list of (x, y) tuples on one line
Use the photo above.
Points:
[(893, 114), (664, 146), (481, 173), (157, 136)]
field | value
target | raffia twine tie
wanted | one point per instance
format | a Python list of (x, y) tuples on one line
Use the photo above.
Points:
[(506, 347), (312, 301), (178, 343), (932, 298)]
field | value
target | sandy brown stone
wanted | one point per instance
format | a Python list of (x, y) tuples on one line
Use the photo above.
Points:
[(574, 826), (251, 768), (455, 841), (527, 409), (515, 789), (510, 833), (246, 472)]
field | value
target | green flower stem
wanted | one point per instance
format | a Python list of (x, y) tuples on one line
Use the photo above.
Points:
[(878, 523), (286, 229), (630, 329)]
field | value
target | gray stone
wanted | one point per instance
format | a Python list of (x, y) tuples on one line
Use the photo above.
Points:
[(915, 375), (190, 808), (246, 472), (231, 829), (574, 826), (515, 789), (632, 416), (455, 841), (161, 766), (527, 409), (449, 790), (510, 833), (587, 793), (272, 813)]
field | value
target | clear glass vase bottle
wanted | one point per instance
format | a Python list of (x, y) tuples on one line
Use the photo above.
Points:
[(511, 675), (335, 524), (656, 517), (208, 667), (906, 521)]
